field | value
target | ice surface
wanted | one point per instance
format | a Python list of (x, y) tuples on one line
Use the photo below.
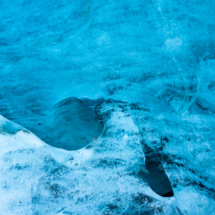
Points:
[(146, 69), (70, 124), (102, 178)]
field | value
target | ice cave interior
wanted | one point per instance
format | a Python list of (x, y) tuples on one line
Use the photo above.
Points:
[(107, 107)]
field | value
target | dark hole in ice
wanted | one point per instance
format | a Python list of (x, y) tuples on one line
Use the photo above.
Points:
[(158, 180), (70, 124)]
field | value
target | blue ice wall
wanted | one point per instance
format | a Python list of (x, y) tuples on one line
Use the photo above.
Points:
[(129, 50)]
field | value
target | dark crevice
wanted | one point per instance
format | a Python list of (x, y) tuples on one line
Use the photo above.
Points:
[(158, 180)]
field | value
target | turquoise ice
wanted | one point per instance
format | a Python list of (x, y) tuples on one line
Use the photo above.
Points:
[(145, 72)]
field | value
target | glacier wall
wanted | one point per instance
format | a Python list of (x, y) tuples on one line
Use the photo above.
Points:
[(128, 50), (147, 68)]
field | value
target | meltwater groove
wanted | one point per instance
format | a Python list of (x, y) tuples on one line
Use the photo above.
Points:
[(70, 124)]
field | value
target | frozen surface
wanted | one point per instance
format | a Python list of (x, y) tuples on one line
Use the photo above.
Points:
[(70, 124), (158, 57), (109, 175), (102, 178)]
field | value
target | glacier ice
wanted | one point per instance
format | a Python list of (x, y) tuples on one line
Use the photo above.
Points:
[(100, 178), (144, 69), (108, 176), (70, 124)]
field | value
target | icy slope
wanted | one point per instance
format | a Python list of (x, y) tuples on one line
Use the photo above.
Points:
[(109, 175), (102, 178)]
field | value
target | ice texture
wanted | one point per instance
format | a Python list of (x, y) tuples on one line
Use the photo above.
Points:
[(70, 124), (145, 69), (102, 178)]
